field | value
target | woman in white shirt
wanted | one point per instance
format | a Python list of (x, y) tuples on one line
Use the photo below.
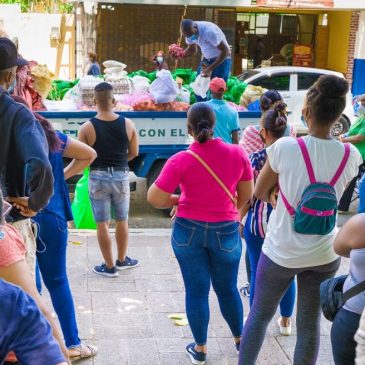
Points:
[(287, 253)]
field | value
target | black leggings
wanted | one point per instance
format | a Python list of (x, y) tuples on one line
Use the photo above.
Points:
[(272, 281)]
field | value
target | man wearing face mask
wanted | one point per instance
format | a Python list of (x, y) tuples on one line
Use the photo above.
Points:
[(356, 136), (25, 170), (216, 55)]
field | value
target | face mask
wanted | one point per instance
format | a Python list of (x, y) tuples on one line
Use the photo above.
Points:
[(361, 110), (160, 59), (193, 38), (12, 86)]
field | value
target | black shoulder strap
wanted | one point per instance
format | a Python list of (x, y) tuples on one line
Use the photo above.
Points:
[(355, 290)]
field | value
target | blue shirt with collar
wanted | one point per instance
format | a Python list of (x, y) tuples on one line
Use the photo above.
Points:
[(227, 120)]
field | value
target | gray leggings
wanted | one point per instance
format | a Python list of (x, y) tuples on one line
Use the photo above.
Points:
[(272, 281)]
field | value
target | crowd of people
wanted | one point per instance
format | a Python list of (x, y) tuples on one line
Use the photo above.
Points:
[(277, 192), (291, 251)]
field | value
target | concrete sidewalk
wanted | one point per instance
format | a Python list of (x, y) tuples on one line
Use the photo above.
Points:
[(127, 317)]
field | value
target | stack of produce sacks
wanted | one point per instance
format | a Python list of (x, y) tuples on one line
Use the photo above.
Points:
[(251, 94), (85, 90), (116, 75)]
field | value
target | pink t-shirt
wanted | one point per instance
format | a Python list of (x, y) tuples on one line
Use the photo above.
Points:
[(202, 199), (12, 247)]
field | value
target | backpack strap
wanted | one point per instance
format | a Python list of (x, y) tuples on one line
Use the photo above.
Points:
[(214, 175), (288, 207), (342, 165), (307, 160), (355, 290)]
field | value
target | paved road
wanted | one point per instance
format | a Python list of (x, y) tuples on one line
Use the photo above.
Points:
[(126, 317)]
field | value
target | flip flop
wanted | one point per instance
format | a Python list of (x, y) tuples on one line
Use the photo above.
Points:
[(86, 351)]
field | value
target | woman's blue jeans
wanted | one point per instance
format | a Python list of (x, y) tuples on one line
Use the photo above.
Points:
[(254, 247), (343, 331), (209, 253), (51, 258)]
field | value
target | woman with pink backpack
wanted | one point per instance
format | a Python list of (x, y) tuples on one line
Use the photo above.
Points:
[(312, 173)]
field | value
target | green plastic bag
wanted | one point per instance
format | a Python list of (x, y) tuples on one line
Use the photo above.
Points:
[(151, 76), (81, 206), (235, 89), (60, 88), (186, 74)]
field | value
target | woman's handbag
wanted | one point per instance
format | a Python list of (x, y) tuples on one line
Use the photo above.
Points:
[(332, 296), (216, 178)]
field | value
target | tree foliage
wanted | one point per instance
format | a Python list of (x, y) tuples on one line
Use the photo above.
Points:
[(42, 6)]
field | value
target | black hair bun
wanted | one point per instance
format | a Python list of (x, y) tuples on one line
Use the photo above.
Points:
[(280, 121), (280, 107), (331, 86)]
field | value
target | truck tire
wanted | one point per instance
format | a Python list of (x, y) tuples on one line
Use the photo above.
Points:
[(154, 172), (341, 126), (153, 175)]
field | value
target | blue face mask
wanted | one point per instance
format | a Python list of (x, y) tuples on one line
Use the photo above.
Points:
[(12, 86), (193, 38), (361, 110)]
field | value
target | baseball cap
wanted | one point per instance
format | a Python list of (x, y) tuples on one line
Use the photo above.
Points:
[(22, 61), (217, 85), (8, 54)]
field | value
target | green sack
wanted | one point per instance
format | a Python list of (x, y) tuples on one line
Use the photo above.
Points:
[(151, 76), (81, 206), (186, 74), (235, 89), (60, 88)]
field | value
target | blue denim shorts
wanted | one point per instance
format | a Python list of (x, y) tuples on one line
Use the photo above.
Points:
[(109, 192)]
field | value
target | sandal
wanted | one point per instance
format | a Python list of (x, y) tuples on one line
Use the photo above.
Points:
[(85, 351)]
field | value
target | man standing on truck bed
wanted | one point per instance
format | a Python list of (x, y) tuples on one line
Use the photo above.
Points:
[(216, 55), (115, 140)]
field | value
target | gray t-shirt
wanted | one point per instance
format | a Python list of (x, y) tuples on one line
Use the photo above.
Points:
[(356, 304)]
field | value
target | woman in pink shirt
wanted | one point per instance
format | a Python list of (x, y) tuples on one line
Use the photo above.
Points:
[(205, 234)]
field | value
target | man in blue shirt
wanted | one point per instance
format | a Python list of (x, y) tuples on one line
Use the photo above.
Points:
[(227, 124), (94, 68), (24, 330)]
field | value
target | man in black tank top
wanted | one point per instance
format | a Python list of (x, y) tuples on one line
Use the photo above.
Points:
[(115, 140)]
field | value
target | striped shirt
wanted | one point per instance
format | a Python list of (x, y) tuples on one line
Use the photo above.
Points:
[(251, 141), (259, 212)]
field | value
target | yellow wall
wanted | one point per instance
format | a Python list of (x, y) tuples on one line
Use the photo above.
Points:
[(339, 23)]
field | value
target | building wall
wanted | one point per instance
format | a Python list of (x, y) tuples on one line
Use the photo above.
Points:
[(33, 32), (339, 24)]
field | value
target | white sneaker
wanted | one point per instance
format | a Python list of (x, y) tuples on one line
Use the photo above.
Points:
[(285, 331)]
